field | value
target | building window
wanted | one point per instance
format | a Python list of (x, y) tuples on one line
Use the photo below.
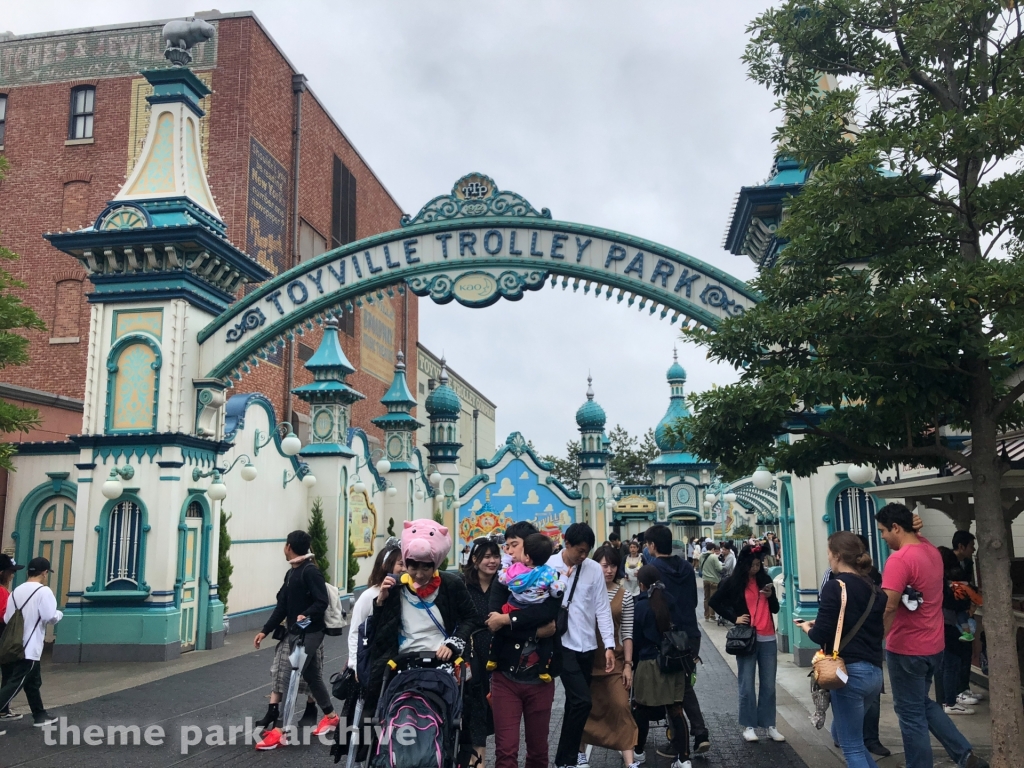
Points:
[(343, 205), (133, 384), (3, 117), (83, 101), (195, 509), (125, 532), (347, 322), (311, 242), (855, 511), (66, 310), (305, 352)]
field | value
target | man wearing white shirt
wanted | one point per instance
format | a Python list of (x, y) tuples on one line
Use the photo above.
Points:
[(589, 601), (38, 608)]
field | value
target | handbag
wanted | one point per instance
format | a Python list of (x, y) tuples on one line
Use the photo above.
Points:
[(562, 619), (830, 670), (674, 653), (740, 640)]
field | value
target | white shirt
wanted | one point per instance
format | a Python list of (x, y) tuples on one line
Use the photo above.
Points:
[(590, 601), (361, 611), (38, 610), (421, 623)]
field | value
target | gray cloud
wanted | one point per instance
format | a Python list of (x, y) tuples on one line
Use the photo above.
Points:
[(635, 116)]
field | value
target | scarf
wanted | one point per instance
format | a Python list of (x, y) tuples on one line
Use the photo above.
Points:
[(300, 558), (427, 589)]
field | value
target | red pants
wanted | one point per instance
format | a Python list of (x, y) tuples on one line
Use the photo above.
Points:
[(511, 703)]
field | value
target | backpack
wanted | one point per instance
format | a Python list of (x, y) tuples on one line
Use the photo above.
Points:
[(12, 643), (334, 616), (429, 702), (675, 654)]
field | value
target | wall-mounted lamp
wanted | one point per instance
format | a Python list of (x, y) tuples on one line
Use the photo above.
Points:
[(290, 443), (302, 473), (217, 490), (383, 466), (112, 487)]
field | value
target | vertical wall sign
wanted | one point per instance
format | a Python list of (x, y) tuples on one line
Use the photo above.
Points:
[(377, 347)]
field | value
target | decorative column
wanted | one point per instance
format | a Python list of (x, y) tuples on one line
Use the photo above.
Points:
[(443, 409), (399, 426), (593, 485)]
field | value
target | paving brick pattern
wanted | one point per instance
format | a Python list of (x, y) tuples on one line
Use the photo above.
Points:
[(227, 692)]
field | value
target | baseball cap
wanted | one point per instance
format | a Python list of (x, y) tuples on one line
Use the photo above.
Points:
[(38, 565), (7, 563)]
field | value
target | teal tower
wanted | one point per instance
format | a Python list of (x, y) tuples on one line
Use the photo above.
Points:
[(444, 409), (590, 418), (398, 423)]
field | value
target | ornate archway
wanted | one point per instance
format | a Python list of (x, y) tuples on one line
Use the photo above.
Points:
[(475, 246)]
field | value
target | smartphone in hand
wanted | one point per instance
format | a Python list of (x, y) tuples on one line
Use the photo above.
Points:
[(304, 623)]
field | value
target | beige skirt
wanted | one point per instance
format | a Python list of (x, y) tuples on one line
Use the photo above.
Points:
[(611, 723), (654, 688)]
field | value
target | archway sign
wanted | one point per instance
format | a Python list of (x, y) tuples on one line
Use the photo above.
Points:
[(475, 246)]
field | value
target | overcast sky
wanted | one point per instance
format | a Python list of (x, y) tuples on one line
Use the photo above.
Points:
[(635, 116)]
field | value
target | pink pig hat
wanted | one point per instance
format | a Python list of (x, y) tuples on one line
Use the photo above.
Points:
[(425, 541)]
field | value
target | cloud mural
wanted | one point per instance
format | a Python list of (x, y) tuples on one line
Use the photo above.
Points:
[(549, 508), (532, 497), (506, 489), (477, 505), (525, 475)]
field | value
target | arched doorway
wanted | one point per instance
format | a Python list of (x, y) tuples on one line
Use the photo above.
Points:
[(55, 540)]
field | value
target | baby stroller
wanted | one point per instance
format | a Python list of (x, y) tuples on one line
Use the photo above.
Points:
[(419, 713)]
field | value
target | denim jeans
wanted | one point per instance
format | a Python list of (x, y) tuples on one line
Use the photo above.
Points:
[(911, 678), (757, 710), (950, 687), (848, 706)]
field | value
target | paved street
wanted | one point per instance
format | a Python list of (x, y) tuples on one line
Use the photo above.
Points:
[(225, 693)]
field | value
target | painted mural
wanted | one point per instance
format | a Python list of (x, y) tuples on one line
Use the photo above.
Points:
[(516, 493)]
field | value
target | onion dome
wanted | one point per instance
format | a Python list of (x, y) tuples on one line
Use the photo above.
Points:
[(443, 402), (676, 408), (590, 415), (676, 371)]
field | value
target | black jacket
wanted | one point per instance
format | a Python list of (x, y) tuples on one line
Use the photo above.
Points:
[(458, 615), (730, 601), (509, 642), (866, 645), (681, 584), (646, 637), (303, 593)]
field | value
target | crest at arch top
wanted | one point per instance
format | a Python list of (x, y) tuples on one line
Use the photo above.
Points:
[(475, 196)]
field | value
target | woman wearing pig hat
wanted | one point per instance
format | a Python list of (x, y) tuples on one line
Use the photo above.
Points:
[(425, 611)]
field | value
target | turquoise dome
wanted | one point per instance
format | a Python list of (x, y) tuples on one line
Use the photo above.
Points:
[(590, 415), (443, 402), (676, 410), (675, 372)]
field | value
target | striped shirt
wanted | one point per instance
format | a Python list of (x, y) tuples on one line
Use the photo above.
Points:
[(626, 624)]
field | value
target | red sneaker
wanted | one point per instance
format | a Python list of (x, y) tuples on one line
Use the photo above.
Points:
[(327, 724), (272, 739)]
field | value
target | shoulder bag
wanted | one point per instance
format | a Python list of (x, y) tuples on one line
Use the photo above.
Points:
[(562, 619), (830, 670), (740, 640)]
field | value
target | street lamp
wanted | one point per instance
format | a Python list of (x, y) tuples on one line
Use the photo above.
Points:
[(616, 490), (290, 443), (302, 473), (762, 478), (112, 487), (382, 465), (860, 473)]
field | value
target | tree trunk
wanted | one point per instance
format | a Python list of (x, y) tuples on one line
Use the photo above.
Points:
[(1000, 626)]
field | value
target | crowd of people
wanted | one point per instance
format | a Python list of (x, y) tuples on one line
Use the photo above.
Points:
[(619, 628)]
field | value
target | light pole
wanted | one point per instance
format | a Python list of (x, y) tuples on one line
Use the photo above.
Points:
[(717, 498)]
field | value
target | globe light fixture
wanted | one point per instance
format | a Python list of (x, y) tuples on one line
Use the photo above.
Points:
[(712, 497), (359, 486), (860, 473), (217, 490), (661, 506), (762, 478), (291, 444), (309, 480), (613, 505), (249, 472), (729, 497), (383, 467), (435, 479), (616, 491), (419, 495), (112, 487), (392, 492), (707, 504)]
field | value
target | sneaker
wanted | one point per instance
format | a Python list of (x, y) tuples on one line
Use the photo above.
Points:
[(634, 764), (750, 735), (3, 733), (701, 744), (979, 695), (966, 637), (774, 735), (877, 749), (272, 739), (667, 751), (973, 761), (967, 699), (682, 764), (10, 716), (43, 718), (582, 761), (327, 725), (639, 757), (957, 709)]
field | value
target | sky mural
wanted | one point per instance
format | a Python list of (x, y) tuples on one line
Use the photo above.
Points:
[(516, 493)]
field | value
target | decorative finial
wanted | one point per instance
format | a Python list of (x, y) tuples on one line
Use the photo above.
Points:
[(675, 353), (443, 376), (331, 323), (590, 388), (181, 35), (400, 365)]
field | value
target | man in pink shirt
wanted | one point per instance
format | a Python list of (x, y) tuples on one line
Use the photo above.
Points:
[(912, 582)]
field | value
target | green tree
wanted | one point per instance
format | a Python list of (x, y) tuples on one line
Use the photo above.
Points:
[(567, 470), (224, 566), (894, 317), (439, 518), (391, 526), (353, 567), (318, 538), (14, 316), (742, 532), (630, 456)]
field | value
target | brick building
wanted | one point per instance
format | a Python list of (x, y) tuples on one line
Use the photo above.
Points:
[(73, 107)]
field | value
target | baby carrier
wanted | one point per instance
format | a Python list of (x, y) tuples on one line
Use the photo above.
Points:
[(420, 713)]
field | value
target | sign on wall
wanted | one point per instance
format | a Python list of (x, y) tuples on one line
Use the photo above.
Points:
[(377, 344), (81, 55), (267, 213), (362, 530)]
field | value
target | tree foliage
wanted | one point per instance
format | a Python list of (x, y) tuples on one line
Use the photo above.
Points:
[(15, 316), (567, 470), (318, 538), (224, 566), (353, 566), (894, 317), (630, 456)]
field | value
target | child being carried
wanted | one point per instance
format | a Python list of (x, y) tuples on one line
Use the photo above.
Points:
[(530, 582)]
